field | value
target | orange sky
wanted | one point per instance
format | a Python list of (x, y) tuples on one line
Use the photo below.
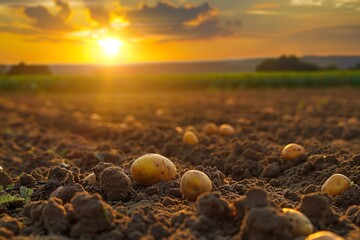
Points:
[(46, 31)]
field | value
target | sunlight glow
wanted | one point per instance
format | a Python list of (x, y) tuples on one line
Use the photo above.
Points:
[(110, 46)]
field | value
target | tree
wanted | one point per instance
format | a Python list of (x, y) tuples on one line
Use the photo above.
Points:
[(357, 67), (331, 67), (23, 69), (2, 69), (285, 63)]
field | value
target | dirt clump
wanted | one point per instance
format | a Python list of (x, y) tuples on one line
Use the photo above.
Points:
[(260, 218), (25, 180), (5, 179), (213, 206), (100, 167), (55, 216), (92, 215), (66, 192), (115, 184), (11, 224), (58, 174), (272, 170), (265, 223), (317, 207), (353, 213), (348, 198)]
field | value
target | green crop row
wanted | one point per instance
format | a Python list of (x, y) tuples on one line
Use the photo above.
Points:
[(214, 81)]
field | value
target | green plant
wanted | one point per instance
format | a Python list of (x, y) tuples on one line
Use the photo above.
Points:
[(7, 198), (10, 186), (26, 193)]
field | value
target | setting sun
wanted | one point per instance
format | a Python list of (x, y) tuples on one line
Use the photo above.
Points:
[(110, 46)]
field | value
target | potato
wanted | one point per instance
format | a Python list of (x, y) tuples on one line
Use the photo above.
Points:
[(300, 224), (90, 179), (152, 168), (190, 138), (226, 130), (353, 121), (210, 128), (292, 151), (193, 183), (190, 128), (336, 184), (179, 129), (324, 235), (129, 119)]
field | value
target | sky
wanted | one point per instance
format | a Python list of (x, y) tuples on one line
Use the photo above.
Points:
[(131, 31)]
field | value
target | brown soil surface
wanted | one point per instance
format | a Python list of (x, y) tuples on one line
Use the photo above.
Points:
[(50, 143)]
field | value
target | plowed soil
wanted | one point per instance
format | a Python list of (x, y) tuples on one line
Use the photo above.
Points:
[(50, 143)]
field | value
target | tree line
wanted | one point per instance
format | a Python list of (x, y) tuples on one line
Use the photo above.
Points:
[(293, 63)]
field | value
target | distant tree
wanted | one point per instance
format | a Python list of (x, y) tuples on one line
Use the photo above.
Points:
[(331, 67), (357, 67), (2, 69), (285, 63), (23, 69)]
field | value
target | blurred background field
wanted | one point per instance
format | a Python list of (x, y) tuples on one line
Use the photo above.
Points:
[(184, 82)]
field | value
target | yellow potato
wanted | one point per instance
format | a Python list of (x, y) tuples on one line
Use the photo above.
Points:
[(190, 128), (300, 224), (193, 183), (179, 129), (336, 184), (210, 128), (324, 235), (226, 130), (190, 138), (292, 151), (152, 168)]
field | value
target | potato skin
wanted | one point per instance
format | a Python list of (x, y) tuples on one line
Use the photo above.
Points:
[(336, 184), (324, 235), (193, 183), (90, 179), (152, 168), (292, 151), (226, 130), (190, 138), (300, 224)]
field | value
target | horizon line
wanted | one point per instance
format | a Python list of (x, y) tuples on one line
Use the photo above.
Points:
[(178, 62)]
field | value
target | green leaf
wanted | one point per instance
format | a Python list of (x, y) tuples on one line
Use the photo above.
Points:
[(10, 186), (26, 193), (7, 198)]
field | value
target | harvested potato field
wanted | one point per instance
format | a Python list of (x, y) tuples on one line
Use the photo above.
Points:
[(69, 169)]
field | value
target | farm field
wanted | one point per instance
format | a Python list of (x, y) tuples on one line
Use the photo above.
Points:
[(56, 140), (111, 82)]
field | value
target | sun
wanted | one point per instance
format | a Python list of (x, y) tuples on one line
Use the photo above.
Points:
[(110, 46)]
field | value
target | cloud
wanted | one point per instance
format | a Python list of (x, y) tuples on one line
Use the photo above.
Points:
[(168, 22), (344, 3), (54, 40), (22, 2), (44, 20), (348, 36), (18, 30), (307, 2), (99, 15)]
